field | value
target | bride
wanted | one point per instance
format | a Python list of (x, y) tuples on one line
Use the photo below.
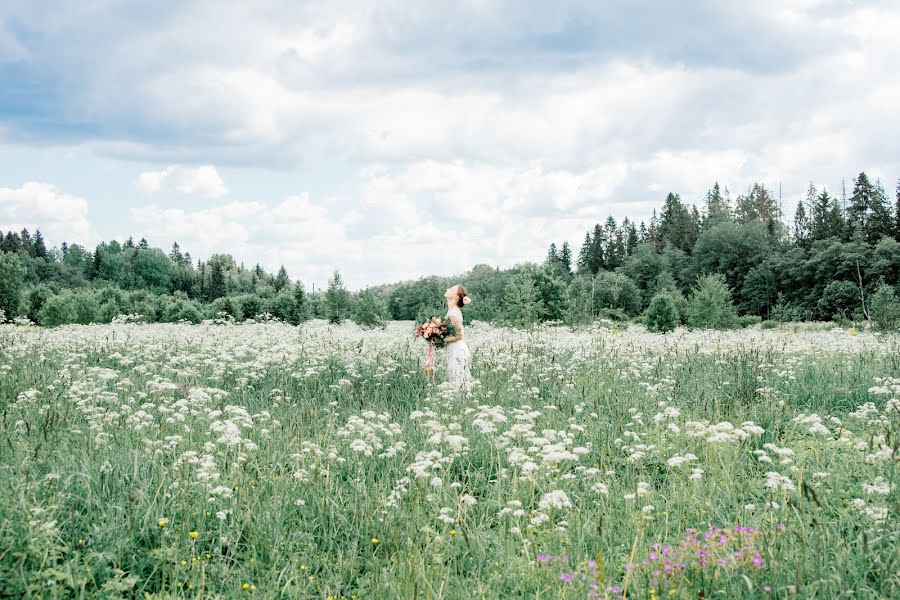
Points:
[(458, 356)]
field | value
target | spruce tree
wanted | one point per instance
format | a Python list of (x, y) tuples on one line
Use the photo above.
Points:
[(552, 256), (860, 203), (25, 240), (175, 254), (716, 207), (880, 223), (584, 254), (40, 248), (801, 224), (281, 280), (897, 214), (596, 260), (522, 301), (217, 287), (337, 299), (565, 259), (300, 306)]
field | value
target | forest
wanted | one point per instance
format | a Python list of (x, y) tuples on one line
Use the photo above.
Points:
[(729, 262)]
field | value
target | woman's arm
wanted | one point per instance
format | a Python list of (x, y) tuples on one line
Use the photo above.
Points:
[(457, 324)]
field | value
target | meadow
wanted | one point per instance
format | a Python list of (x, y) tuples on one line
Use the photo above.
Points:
[(262, 460)]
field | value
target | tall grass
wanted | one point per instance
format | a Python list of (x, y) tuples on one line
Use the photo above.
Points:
[(270, 461)]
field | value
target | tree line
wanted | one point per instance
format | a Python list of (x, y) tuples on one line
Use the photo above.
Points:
[(740, 259)]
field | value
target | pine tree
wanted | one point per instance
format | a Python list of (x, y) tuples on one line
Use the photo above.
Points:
[(522, 302), (614, 253), (801, 221), (300, 304), (217, 287), (281, 280), (565, 259), (129, 243), (897, 214), (859, 206), (337, 299), (25, 240), (584, 255), (653, 234), (716, 207), (679, 226), (880, 222), (598, 245), (631, 236), (175, 254), (552, 256), (11, 243), (143, 244), (40, 248)]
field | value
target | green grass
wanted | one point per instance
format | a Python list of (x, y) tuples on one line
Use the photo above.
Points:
[(302, 441)]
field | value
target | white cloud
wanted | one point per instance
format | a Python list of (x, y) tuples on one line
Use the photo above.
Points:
[(193, 181), (38, 205), (477, 131)]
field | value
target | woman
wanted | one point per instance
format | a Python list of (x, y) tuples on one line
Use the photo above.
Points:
[(458, 356)]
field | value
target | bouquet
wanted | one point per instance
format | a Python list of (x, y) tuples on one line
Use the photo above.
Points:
[(434, 331)]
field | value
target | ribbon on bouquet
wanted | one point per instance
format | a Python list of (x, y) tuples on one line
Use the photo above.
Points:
[(429, 358)]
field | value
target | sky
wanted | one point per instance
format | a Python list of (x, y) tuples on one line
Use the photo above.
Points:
[(393, 140)]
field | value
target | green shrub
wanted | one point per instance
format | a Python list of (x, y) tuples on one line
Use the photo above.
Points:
[(57, 310), (283, 306), (710, 306), (748, 320), (769, 324), (662, 314), (615, 290), (35, 299), (109, 310), (12, 278), (839, 299), (613, 314), (251, 305), (368, 310), (229, 305), (87, 310), (884, 308)]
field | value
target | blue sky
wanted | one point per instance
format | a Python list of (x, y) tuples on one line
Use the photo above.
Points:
[(410, 138)]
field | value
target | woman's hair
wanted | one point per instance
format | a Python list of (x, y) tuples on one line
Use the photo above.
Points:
[(462, 293)]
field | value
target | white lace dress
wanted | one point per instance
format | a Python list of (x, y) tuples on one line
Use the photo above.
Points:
[(459, 360)]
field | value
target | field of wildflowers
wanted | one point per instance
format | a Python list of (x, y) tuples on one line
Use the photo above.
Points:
[(264, 460)]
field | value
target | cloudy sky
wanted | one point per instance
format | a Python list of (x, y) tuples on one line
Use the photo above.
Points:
[(398, 139)]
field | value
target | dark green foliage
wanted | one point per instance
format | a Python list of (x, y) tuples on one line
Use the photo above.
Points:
[(217, 287), (808, 274), (616, 291), (283, 306), (662, 314), (551, 293), (710, 306), (678, 226), (840, 299), (884, 307), (12, 279), (58, 310), (251, 305), (281, 280)]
